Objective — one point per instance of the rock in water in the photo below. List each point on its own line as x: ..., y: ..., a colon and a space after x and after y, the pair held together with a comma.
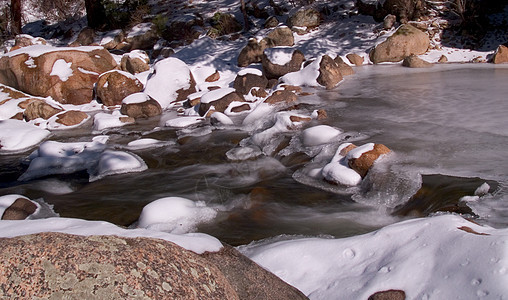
x: 329, y: 73
x: 501, y: 55
x: 362, y: 158
x: 114, y: 86
x: 413, y: 61
x: 407, y: 40
x: 20, y: 209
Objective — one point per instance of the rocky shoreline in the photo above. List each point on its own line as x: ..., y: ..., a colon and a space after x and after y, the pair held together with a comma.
x: 103, y: 80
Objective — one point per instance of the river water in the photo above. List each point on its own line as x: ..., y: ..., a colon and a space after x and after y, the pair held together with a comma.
x: 447, y: 127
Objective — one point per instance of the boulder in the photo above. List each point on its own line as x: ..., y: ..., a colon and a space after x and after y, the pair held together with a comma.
x: 271, y: 22
x: 112, y: 39
x: 362, y: 158
x: 86, y: 37
x: 25, y: 40
x: 355, y: 59
x: 249, y: 280
x: 281, y: 96
x: 307, y: 17
x: 244, y: 82
x: 142, y: 36
x: 345, y: 69
x: 223, y: 24
x: 20, y: 209
x: 140, y: 105
x: 67, y: 75
x: 501, y: 55
x: 253, y: 51
x: 407, y: 40
x: 134, y: 62
x: 67, y: 266
x: 389, y: 21
x: 443, y: 59
x: 40, y: 109
x: 113, y: 86
x: 170, y: 81
x: 329, y: 73
x: 71, y: 117
x: 388, y: 295
x: 219, y: 99
x: 413, y: 61
x: 280, y: 36
x: 279, y: 61
x: 214, y: 77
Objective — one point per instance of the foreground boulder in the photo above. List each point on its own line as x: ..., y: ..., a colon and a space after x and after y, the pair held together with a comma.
x: 406, y: 41
x: 108, y: 267
x: 65, y: 74
x: 114, y: 86
x: 134, y: 62
x: 329, y: 72
x: 501, y: 55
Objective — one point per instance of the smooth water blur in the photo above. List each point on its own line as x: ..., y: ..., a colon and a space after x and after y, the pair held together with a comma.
x: 448, y: 120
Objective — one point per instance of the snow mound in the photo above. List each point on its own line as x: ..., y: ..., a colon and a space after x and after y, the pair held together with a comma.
x: 104, y: 121
x: 182, y: 122
x: 175, y: 215
x: 305, y: 77
x: 319, y: 135
x: 66, y: 158
x: 196, y: 242
x: 279, y: 55
x: 17, y: 136
x: 447, y: 252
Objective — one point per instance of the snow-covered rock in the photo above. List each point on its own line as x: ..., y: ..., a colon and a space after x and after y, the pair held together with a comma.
x: 17, y: 136
x: 319, y: 135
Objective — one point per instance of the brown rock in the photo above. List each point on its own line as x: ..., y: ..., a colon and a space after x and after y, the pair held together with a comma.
x: 136, y: 61
x: 248, y: 279
x: 220, y: 104
x: 32, y: 74
x: 329, y: 73
x: 297, y: 119
x: 355, y: 59
x: 146, y: 38
x: 86, y: 37
x: 18, y: 116
x: 213, y: 78
x: 281, y: 96
x: 115, y: 38
x: 362, y: 164
x: 106, y: 267
x: 389, y: 21
x: 321, y: 114
x: 305, y: 18
x: 251, y: 53
x: 346, y: 150
x: 414, y: 61
x: 443, y: 59
x: 389, y: 295
x: 243, y: 84
x: 25, y: 40
x: 127, y: 119
x: 407, y: 40
x: 71, y: 117
x: 292, y: 88
x: 40, y: 109
x: 271, y: 22
x: 274, y: 71
x: 145, y: 109
x: 114, y: 86
x: 19, y: 209
x: 501, y: 55
x: 281, y: 36
x: 241, y: 108
x: 258, y: 92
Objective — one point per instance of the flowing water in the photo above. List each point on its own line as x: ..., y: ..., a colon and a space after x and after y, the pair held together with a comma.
x: 447, y: 127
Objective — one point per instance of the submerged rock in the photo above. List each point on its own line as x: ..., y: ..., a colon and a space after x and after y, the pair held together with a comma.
x: 406, y: 41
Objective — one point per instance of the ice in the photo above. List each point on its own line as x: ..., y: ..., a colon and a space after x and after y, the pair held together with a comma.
x: 175, y: 215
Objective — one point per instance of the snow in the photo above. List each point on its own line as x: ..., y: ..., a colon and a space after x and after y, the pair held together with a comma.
x: 66, y: 158
x: 136, y: 98
x: 305, y: 77
x: 168, y: 76
x: 319, y: 135
x: 103, y: 121
x: 62, y: 69
x: 279, y: 55
x: 359, y: 151
x: 340, y: 173
x: 430, y: 258
x: 175, y: 215
x: 38, y: 50
x: 253, y: 71
x: 181, y: 122
x: 196, y: 242
x: 221, y: 118
x: 216, y: 94
x: 138, y: 54
x: 139, y: 29
x: 17, y: 136
x: 85, y: 71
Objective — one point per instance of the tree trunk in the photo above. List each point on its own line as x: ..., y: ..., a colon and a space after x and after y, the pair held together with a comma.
x: 15, y: 17
x: 95, y: 14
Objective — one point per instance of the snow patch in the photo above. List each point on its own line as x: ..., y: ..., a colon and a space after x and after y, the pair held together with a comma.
x: 62, y: 69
